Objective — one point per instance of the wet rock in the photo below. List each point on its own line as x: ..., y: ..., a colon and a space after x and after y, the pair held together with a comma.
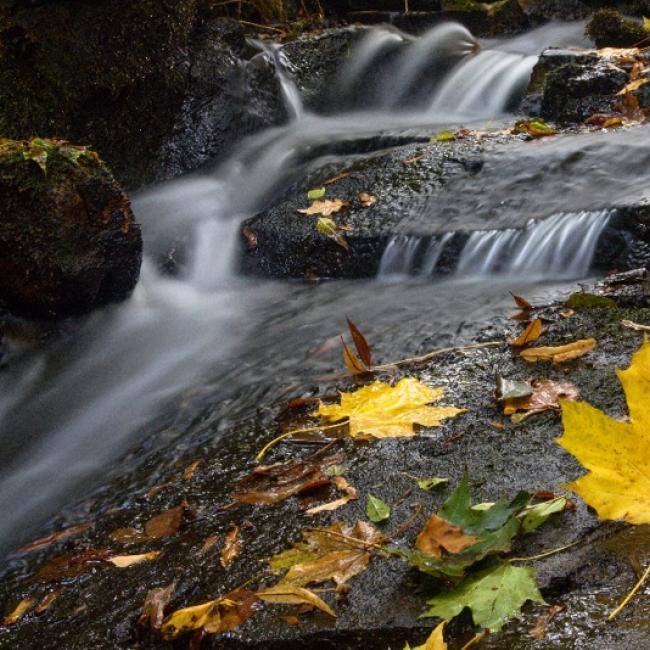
x: 539, y: 11
x: 68, y: 241
x: 487, y: 18
x: 609, y: 28
x: 156, y: 88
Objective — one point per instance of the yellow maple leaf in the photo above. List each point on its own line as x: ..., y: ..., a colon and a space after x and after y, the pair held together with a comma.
x: 382, y: 410
x: 435, y: 641
x: 616, y: 453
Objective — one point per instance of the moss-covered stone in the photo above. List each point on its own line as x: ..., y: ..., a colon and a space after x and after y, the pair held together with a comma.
x: 68, y: 241
x: 609, y: 28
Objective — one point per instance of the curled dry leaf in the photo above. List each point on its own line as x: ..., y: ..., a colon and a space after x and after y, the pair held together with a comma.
x: 352, y: 362
x: 367, y: 199
x: 123, y: 561
x: 153, y: 611
x: 231, y: 546
x: 530, y: 334
x: 19, y: 611
x: 360, y: 343
x: 286, y: 594
x: 349, y: 492
x: 325, y: 208
x: 60, y: 536
x: 71, y: 565
x: 251, y: 237
x: 220, y: 615
x: 439, y: 534
x: 561, y: 353
x: 522, y: 303
x: 382, y: 410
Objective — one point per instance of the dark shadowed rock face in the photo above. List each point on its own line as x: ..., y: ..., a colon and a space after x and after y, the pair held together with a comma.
x: 609, y: 28
x: 68, y: 241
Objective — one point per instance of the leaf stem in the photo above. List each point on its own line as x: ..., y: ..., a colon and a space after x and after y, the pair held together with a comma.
x: 475, y: 639
x: 629, y: 597
x: 435, y: 353
x: 287, y: 434
x: 540, y: 556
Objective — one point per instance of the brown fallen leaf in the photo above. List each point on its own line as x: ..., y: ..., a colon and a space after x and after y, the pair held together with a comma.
x: 290, y: 619
x: 635, y: 326
x: 541, y: 625
x: 567, y: 312
x: 561, y: 353
x: 522, y: 303
x: 439, y: 534
x: 208, y: 544
x: 47, y: 600
x: 411, y: 161
x: 325, y: 208
x: 336, y: 553
x: 20, y: 610
x: 153, y: 610
x: 124, y: 561
x: 215, y: 616
x: 270, y: 484
x: 367, y: 199
x: 546, y: 396
x: 532, y: 332
x: 343, y: 486
x: 166, y: 523
x: 286, y: 594
x: 231, y: 546
x: 188, y: 472
x: 251, y: 237
x: 60, y: 536
x: 633, y: 85
x: 71, y: 565
x: 360, y: 343
x: 128, y: 536
x: 338, y: 177
x: 352, y: 362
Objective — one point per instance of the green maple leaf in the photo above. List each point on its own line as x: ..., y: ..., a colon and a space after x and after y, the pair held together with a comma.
x: 494, y: 595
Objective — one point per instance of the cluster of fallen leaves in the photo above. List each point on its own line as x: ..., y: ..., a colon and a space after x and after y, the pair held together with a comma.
x: 325, y: 208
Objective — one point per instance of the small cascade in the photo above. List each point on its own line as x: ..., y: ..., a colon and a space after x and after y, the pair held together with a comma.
x: 399, y: 256
x: 290, y: 94
x: 559, y: 247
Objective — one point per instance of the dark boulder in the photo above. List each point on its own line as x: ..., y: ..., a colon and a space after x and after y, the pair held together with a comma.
x: 609, y: 28
x: 68, y: 241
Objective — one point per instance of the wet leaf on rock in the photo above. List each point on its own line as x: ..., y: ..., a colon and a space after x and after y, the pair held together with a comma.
x: 188, y: 472
x: 435, y: 641
x: 546, y: 396
x: 166, y: 523
x: 616, y: 453
x: 382, y: 410
x: 316, y: 193
x: 535, y: 128
x: 214, y: 616
x: 325, y: 208
x: 366, y: 199
x: 494, y: 596
x: 376, y: 509
x: 635, y: 326
x: 231, y: 545
x: 128, y: 535
x: 153, y: 610
x: 350, y: 494
x: 59, y: 536
x: 286, y: 594
x: 333, y: 231
x: 47, y: 601
x: 428, y: 484
x: 124, y: 561
x: 443, y: 136
x: 439, y: 534
x: 19, y: 611
x: 533, y: 516
x: 561, y: 353
x: 530, y: 334
x: 71, y: 565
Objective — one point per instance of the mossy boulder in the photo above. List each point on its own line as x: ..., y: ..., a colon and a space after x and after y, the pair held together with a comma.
x: 609, y: 28
x: 68, y: 240
x: 487, y: 18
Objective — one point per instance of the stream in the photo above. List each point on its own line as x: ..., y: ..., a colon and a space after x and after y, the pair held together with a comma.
x: 71, y: 410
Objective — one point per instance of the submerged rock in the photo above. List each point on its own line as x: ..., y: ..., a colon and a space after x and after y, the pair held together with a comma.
x: 68, y: 241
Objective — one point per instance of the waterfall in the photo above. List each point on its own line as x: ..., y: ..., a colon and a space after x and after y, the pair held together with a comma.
x: 561, y: 246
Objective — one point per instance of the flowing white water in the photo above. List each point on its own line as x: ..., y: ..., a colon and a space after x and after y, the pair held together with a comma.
x: 66, y: 413
x: 561, y: 246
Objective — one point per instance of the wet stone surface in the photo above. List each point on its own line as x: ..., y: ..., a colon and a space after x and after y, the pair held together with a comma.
x: 100, y: 609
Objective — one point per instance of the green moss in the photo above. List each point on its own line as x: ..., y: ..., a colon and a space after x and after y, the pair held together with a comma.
x: 490, y: 8
x: 608, y: 28
x: 582, y: 300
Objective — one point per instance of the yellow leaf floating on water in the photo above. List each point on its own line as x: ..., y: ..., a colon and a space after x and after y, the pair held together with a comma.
x: 616, y: 453
x: 383, y: 411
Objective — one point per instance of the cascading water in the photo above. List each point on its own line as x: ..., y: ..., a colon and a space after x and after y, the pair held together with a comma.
x: 69, y: 411
x: 561, y: 246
